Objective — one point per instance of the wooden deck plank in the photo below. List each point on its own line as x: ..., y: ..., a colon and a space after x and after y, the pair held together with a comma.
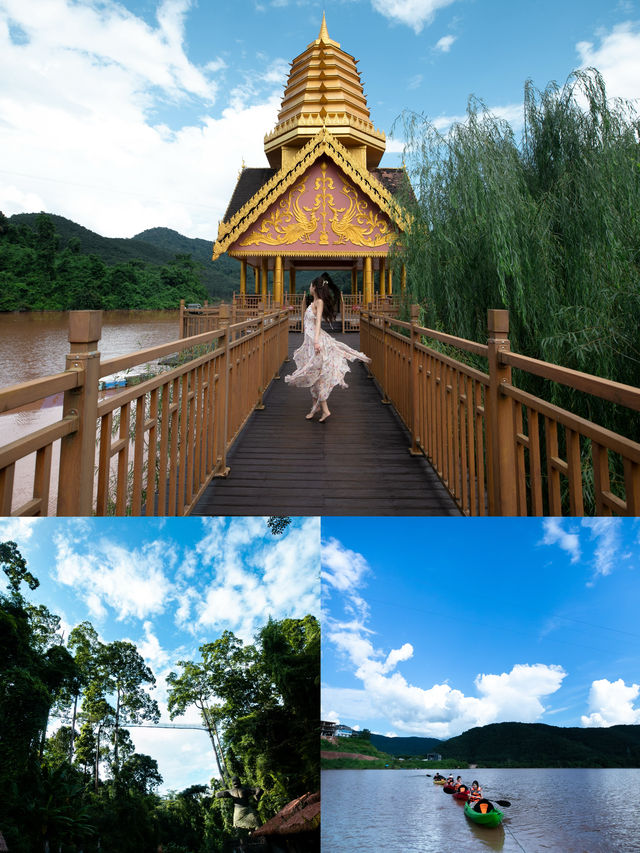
x: 358, y: 463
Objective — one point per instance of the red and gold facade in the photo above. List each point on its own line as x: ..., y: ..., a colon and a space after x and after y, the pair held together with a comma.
x: 323, y: 203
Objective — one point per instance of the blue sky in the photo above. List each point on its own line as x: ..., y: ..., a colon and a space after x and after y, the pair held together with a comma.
x: 129, y: 115
x: 168, y: 586
x: 431, y: 627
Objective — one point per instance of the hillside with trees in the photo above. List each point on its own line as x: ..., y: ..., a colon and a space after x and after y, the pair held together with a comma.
x: 516, y: 745
x: 70, y: 776
x: 539, y: 745
x: 48, y: 262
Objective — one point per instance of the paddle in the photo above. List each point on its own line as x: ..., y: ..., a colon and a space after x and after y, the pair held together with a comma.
x: 504, y: 803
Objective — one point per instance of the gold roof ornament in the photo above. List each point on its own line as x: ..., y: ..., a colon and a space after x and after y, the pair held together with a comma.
x: 324, y: 91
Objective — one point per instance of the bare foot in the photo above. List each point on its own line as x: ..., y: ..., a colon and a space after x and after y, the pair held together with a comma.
x: 324, y: 417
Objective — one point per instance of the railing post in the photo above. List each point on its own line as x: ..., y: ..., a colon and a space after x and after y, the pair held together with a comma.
x: 414, y: 450
x: 78, y: 450
x: 221, y: 468
x: 502, y: 467
x: 182, y: 334
x: 260, y: 403
x: 385, y: 366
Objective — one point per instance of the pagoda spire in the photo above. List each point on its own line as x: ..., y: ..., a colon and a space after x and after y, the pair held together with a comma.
x: 324, y: 32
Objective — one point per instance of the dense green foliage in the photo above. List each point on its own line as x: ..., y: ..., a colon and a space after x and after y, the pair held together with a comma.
x: 538, y: 745
x: 41, y: 271
x: 84, y: 787
x: 265, y: 698
x: 546, y: 225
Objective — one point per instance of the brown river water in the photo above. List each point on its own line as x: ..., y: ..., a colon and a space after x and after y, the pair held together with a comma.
x: 552, y: 811
x: 35, y: 344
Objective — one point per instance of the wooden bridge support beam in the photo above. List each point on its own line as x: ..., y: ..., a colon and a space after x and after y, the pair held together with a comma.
x: 502, y: 467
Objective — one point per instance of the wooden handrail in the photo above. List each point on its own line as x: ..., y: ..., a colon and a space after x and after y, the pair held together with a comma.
x: 157, y: 444
x: 15, y: 396
x: 606, y: 389
x: 499, y: 449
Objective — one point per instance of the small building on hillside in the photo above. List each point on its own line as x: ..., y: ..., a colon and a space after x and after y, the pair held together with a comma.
x: 434, y: 756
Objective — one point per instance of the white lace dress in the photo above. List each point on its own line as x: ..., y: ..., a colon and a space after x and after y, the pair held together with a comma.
x: 321, y: 371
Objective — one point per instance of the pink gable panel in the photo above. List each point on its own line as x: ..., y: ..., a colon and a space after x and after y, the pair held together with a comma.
x: 323, y: 212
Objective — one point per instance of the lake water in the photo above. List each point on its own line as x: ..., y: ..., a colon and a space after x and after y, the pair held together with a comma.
x: 402, y: 811
x: 33, y: 345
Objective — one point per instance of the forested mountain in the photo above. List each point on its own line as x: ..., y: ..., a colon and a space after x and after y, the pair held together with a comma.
x: 48, y: 262
x: 527, y: 745
x: 406, y: 745
x: 538, y: 745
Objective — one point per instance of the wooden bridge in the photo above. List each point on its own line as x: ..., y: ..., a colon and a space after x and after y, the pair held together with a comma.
x: 219, y: 433
x: 357, y: 463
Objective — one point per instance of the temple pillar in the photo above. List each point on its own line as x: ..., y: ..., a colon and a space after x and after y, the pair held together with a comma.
x: 354, y: 280
x: 292, y: 280
x: 243, y: 277
x: 403, y: 279
x: 278, y: 281
x: 264, y: 277
x: 390, y: 281
x: 383, y: 276
x: 367, y: 281
x: 256, y: 277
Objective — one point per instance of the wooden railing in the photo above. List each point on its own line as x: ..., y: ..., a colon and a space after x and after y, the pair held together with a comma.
x: 351, y: 305
x: 150, y: 449
x: 498, y: 449
x: 197, y: 320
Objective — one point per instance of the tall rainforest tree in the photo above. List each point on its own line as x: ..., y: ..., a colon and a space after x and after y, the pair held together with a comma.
x: 266, y: 698
x: 34, y: 671
x: 546, y: 224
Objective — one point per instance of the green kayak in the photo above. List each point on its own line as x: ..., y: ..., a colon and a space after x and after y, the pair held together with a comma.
x: 493, y: 817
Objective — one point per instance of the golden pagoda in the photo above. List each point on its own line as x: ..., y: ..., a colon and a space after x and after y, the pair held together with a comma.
x: 323, y: 201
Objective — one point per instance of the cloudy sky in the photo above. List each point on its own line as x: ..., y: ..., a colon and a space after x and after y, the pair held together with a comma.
x: 429, y: 630
x: 129, y: 115
x: 168, y: 586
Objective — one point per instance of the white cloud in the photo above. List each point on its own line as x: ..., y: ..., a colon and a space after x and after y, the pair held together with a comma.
x: 617, y: 57
x: 78, y: 119
x: 151, y: 650
x: 131, y: 582
x: 344, y: 570
x: 18, y: 530
x: 439, y: 710
x: 611, y: 704
x: 444, y: 44
x: 606, y: 531
x: 278, y: 578
x: 555, y: 534
x: 413, y: 13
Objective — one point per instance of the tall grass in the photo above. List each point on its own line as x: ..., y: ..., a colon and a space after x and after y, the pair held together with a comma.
x: 545, y: 222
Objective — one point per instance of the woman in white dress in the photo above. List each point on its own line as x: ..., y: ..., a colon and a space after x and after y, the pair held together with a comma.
x: 321, y: 361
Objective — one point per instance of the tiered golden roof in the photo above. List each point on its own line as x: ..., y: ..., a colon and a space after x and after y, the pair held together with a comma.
x: 324, y: 91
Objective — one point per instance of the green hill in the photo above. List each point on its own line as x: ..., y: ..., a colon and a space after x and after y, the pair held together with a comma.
x: 406, y: 745
x: 48, y: 263
x: 155, y: 246
x: 539, y: 745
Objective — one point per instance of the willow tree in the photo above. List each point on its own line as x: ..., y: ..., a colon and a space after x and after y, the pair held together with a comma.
x: 545, y: 223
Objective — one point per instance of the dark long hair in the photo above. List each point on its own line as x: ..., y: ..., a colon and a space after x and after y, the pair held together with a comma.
x: 328, y: 291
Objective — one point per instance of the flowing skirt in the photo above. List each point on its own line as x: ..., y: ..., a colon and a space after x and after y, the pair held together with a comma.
x: 322, y: 371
